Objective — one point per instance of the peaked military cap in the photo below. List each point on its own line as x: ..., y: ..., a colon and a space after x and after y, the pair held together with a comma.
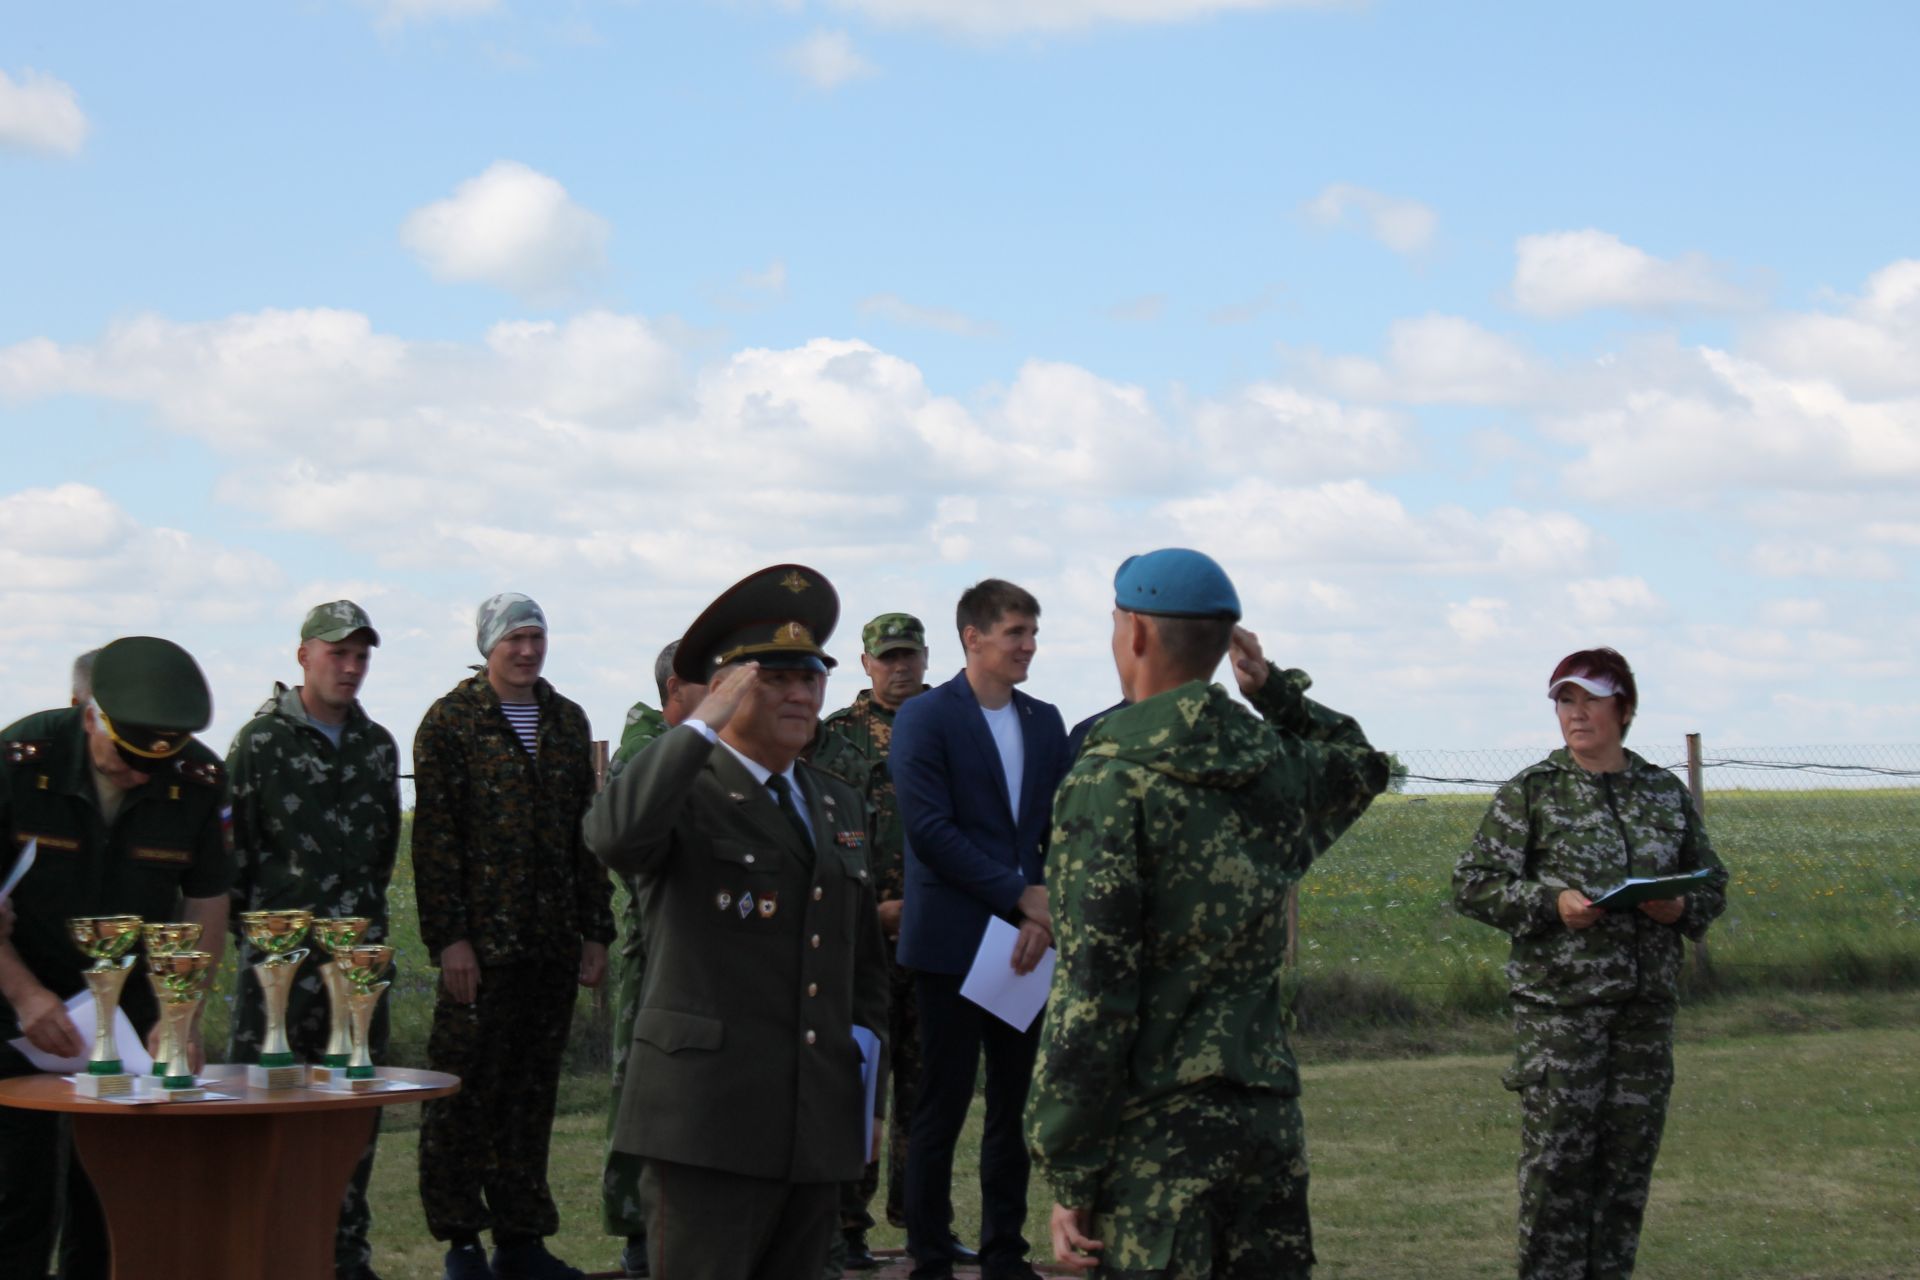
x: 892, y: 631
x: 779, y: 617
x: 152, y: 698
x: 1177, y: 583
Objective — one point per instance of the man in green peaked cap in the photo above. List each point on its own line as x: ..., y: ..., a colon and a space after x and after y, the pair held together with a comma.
x: 744, y: 1095
x: 127, y: 812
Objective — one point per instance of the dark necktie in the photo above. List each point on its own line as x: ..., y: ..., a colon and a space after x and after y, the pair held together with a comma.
x: 783, y: 792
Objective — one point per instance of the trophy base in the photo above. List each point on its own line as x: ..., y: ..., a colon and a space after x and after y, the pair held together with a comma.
x: 293, y: 1077
x: 324, y: 1077
x: 342, y: 1083
x: 119, y: 1085
x: 157, y: 1087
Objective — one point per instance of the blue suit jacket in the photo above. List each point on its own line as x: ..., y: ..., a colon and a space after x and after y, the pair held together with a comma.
x: 968, y: 855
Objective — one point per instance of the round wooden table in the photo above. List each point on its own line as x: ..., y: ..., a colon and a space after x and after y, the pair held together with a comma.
x: 225, y: 1190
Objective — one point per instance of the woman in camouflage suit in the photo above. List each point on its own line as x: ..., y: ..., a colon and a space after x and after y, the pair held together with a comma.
x: 1594, y: 991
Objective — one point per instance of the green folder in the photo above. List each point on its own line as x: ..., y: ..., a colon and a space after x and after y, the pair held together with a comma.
x: 1631, y: 893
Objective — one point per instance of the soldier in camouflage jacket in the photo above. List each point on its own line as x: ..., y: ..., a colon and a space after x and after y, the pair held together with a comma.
x: 1594, y: 992
x: 1165, y: 1112
x: 316, y: 826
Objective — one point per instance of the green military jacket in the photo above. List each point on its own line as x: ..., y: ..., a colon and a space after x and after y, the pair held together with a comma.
x: 763, y: 952
x: 1176, y: 836
x: 644, y: 724
x: 314, y: 826
x: 169, y: 841
x: 852, y: 745
x: 497, y: 856
x: 1555, y: 826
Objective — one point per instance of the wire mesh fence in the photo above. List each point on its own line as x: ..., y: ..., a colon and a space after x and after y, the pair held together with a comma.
x: 1822, y: 846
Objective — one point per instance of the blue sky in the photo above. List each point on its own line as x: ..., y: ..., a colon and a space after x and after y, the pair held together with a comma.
x: 1463, y: 335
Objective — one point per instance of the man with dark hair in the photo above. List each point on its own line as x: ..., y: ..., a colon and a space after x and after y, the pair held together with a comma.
x: 1165, y: 1112
x: 974, y: 763
x: 515, y: 912
x: 744, y: 1095
x: 620, y: 1178
x: 127, y: 808
x: 853, y: 744
x: 315, y: 789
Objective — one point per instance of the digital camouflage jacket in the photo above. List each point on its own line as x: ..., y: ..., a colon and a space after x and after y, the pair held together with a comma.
x: 1176, y: 836
x: 497, y: 854
x: 1555, y: 826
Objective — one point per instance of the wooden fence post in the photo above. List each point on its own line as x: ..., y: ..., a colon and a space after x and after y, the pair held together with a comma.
x: 1696, y: 784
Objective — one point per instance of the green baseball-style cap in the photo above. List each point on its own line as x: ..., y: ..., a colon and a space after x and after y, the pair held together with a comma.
x: 151, y: 697
x: 892, y: 631
x: 336, y: 621
x: 778, y: 617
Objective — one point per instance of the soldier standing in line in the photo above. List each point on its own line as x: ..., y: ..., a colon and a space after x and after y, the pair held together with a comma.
x: 127, y: 809
x: 620, y: 1178
x: 315, y: 788
x: 514, y: 911
x: 1165, y: 1110
x: 852, y: 745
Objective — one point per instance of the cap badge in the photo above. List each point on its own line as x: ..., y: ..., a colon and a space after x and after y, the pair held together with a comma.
x: 795, y: 581
x: 793, y: 633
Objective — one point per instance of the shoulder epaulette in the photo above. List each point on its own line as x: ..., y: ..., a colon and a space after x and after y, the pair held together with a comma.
x: 23, y: 752
x: 208, y: 773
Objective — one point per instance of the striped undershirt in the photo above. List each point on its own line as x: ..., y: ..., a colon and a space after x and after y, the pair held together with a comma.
x: 525, y: 719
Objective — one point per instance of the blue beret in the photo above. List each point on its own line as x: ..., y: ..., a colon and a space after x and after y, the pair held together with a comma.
x: 1176, y: 582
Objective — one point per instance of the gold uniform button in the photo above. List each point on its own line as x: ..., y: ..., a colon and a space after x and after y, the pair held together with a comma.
x: 813, y: 989
x: 814, y: 941
x: 818, y: 893
x: 810, y: 1037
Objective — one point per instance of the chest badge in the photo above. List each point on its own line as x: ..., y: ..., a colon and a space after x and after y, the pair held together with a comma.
x: 769, y: 903
x: 723, y: 899
x: 850, y: 839
x: 746, y: 905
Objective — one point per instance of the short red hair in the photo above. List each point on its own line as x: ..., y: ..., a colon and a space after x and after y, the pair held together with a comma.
x: 1602, y: 664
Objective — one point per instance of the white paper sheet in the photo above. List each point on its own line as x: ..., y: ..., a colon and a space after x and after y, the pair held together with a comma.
x: 869, y: 1079
x: 21, y: 865
x: 993, y: 985
x: 134, y: 1058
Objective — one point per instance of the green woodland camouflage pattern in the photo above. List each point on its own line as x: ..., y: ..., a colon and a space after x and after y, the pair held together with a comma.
x: 1555, y: 826
x: 314, y: 827
x: 852, y: 744
x: 620, y: 1176
x: 892, y: 631
x: 498, y: 859
x: 1176, y: 836
x: 1593, y: 1083
x: 1593, y: 1008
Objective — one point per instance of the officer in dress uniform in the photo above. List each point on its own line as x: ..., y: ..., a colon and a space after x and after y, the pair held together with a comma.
x: 744, y: 1094
x: 126, y: 810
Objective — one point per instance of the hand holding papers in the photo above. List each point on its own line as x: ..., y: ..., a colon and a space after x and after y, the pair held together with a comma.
x: 992, y: 984
x: 80, y: 1008
x: 1631, y: 893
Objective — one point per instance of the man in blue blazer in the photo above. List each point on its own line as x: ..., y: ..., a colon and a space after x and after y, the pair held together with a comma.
x: 975, y: 764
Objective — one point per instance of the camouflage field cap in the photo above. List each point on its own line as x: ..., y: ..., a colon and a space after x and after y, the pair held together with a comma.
x: 892, y: 631
x: 1175, y: 582
x: 779, y: 617
x: 336, y: 621
x: 499, y: 615
x: 151, y: 698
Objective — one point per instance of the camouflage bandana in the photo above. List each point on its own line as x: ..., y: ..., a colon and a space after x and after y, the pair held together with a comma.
x: 498, y: 615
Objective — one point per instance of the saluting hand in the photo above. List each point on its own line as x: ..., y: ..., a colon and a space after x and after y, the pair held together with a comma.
x: 1249, y: 663
x: 725, y: 694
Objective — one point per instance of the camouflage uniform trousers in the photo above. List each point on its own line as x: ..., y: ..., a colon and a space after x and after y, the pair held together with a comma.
x: 1208, y: 1183
x: 1593, y: 1083
x: 307, y: 1024
x: 490, y: 1139
x: 620, y: 1212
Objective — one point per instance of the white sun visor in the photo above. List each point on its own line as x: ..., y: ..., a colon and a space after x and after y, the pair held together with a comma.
x: 1598, y: 686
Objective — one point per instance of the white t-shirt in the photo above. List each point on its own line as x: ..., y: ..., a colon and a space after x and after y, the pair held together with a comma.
x: 1005, y: 727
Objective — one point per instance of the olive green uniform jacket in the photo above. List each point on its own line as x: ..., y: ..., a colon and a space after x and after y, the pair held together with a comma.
x: 168, y: 842
x: 762, y: 955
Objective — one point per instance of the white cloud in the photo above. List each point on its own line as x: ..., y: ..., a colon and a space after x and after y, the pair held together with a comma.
x: 825, y: 60
x: 891, y: 306
x: 1002, y: 17
x: 1436, y: 359
x: 1560, y: 273
x: 1402, y: 225
x: 1792, y: 612
x: 511, y: 227
x: 1598, y: 602
x: 1478, y: 620
x: 1872, y: 348
x: 1287, y: 434
x: 40, y: 112
x: 1818, y: 560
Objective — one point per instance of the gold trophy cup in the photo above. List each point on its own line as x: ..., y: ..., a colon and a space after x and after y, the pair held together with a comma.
x: 107, y: 940
x: 179, y: 974
x: 336, y: 936
x: 164, y: 938
x: 364, y: 967
x: 278, y: 934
